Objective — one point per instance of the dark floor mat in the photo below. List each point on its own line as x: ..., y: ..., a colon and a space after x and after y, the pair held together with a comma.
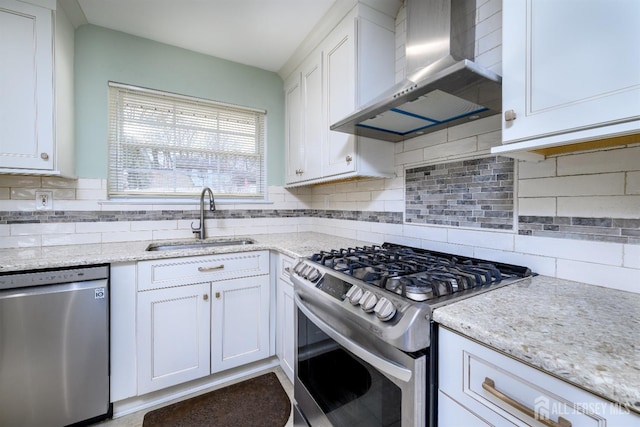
x: 257, y: 402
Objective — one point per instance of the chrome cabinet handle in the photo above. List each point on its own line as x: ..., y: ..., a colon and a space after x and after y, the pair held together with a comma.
x: 205, y: 297
x: 287, y: 270
x: 348, y: 159
x: 510, y: 115
x: 208, y: 269
x: 490, y: 386
x: 218, y: 295
x: 44, y: 156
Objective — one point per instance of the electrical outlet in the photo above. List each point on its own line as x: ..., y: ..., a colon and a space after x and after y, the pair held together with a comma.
x: 44, y: 200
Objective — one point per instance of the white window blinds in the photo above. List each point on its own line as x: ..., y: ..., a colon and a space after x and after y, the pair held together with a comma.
x: 162, y: 144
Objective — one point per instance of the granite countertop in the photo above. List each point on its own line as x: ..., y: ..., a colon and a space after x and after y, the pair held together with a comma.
x: 586, y: 335
x: 292, y: 244
x: 583, y: 334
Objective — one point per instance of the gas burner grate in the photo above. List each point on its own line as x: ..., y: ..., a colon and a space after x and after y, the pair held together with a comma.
x: 414, y: 273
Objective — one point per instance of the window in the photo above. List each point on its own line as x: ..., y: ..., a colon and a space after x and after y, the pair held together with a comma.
x: 162, y: 144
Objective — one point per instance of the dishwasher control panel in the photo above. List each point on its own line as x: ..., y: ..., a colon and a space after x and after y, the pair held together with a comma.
x: 52, y: 277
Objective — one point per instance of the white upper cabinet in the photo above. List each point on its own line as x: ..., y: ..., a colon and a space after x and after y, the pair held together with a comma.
x: 571, y: 73
x: 36, y: 131
x: 349, y: 67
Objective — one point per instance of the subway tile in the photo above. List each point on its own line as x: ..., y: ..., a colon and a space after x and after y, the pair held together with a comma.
x: 633, y: 182
x: 24, y: 194
x: 5, y: 193
x: 115, y: 227
x: 451, y: 149
x: 47, y: 228
x: 600, y: 206
x: 359, y: 196
x: 488, y: 25
x: 427, y: 140
x: 585, y: 185
x: 5, y: 230
x: 476, y: 127
x: 20, y: 241
x: 126, y: 236
x: 62, y: 193
x: 489, y: 140
x: 489, y: 41
x: 587, y: 251
x: 21, y: 181
x: 614, y: 277
x: 545, y: 206
x: 489, y: 59
x: 368, y: 236
x: 543, y: 169
x: 409, y: 157
x: 615, y: 160
x: 462, y: 250
x: 631, y: 256
x: 91, y: 194
x: 153, y: 225
x: 395, y: 194
x: 57, y: 182
x: 425, y: 232
x: 71, y: 239
x: 486, y: 239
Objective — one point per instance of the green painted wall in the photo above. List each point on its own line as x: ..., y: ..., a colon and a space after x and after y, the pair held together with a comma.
x: 103, y: 55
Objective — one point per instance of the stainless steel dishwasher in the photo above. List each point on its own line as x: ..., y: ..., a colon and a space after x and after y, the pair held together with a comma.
x: 54, y: 347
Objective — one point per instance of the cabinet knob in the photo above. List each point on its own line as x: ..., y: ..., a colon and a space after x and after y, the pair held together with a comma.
x: 510, y: 115
x: 287, y: 270
x: 205, y: 297
x: 44, y: 156
x: 218, y: 295
x: 348, y: 159
x: 299, y: 171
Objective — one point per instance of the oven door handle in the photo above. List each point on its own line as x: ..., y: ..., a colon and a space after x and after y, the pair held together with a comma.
x: 377, y: 362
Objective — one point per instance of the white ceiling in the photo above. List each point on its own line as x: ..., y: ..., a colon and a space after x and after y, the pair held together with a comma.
x: 261, y: 33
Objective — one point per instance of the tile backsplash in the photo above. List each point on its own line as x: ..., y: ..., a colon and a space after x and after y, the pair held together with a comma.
x: 474, y: 193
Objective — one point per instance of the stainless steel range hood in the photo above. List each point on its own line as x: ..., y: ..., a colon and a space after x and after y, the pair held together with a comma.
x: 444, y: 86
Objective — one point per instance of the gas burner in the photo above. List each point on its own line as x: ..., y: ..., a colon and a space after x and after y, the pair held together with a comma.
x: 416, y: 274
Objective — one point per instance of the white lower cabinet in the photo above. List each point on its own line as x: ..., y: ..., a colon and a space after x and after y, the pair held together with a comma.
x: 196, y: 316
x: 480, y: 386
x: 239, y: 322
x: 285, y: 316
x: 173, y: 336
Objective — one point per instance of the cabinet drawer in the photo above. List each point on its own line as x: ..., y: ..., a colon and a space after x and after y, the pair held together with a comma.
x: 185, y: 271
x: 504, y: 391
x: 285, y: 265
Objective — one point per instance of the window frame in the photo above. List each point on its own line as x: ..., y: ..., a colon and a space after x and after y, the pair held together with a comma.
x: 114, y: 142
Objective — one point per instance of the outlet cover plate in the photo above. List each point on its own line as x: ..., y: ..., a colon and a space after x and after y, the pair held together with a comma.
x: 44, y: 200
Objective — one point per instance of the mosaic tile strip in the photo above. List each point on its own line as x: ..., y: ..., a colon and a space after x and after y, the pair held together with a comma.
x: 616, y: 230
x: 43, y: 217
x: 470, y: 193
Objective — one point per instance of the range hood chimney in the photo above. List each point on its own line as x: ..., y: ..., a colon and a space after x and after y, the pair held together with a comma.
x: 443, y: 88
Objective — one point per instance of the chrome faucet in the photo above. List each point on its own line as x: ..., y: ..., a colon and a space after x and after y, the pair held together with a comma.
x: 199, y: 231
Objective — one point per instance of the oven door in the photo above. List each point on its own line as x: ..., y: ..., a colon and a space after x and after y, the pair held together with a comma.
x: 346, y: 378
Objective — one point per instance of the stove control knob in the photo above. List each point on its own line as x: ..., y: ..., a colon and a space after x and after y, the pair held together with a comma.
x: 385, y: 309
x: 368, y: 301
x: 354, y: 294
x: 313, y: 275
x: 299, y: 267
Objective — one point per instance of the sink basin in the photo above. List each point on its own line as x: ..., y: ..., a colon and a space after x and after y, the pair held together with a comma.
x: 197, y: 245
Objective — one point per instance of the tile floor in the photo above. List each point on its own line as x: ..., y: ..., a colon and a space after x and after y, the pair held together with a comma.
x: 135, y: 419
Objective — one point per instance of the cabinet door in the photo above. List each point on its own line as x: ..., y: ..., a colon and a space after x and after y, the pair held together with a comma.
x: 26, y: 85
x: 173, y: 336
x: 312, y: 120
x: 286, y: 327
x: 293, y: 129
x: 239, y: 322
x: 340, y: 77
x: 569, y: 68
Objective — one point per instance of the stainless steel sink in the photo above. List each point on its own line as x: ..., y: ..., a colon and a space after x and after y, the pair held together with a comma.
x: 197, y: 245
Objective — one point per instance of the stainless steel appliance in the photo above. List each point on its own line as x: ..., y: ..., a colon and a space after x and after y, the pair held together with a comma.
x: 54, y: 347
x: 365, y: 343
x: 443, y: 87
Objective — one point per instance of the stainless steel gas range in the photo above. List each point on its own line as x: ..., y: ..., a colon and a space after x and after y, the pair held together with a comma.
x: 365, y: 339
